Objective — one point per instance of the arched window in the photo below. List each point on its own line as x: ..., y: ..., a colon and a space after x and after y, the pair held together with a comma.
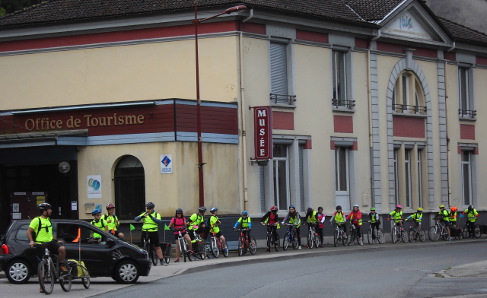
x: 408, y: 96
x: 129, y: 187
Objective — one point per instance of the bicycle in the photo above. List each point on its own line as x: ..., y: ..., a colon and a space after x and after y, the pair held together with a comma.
x: 246, y: 243
x: 313, y: 240
x: 216, y: 246
x: 476, y: 231
x: 149, y: 248
x: 437, y: 231
x: 353, y: 235
x: 271, y: 240
x: 48, y: 273
x: 415, y: 233
x: 183, y: 247
x: 199, y: 247
x: 290, y: 237
x: 379, y: 235
x: 398, y: 233
x: 339, y: 235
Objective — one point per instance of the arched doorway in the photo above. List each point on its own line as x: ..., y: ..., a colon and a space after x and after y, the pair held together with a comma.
x: 129, y: 187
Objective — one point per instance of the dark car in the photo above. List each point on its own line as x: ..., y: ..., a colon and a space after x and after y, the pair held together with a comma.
x: 111, y: 257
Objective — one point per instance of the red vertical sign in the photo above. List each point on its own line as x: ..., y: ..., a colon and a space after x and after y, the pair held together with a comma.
x: 263, y: 133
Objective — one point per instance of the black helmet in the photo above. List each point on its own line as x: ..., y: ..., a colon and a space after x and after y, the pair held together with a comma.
x: 470, y: 208
x: 44, y: 206
x: 309, y: 210
x: 212, y: 210
x: 150, y: 205
x: 202, y: 209
x: 339, y: 207
x: 179, y: 211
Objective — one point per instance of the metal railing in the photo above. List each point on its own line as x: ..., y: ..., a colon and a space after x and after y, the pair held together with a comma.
x: 283, y: 99
x: 348, y: 104
x: 467, y: 114
x: 409, y: 109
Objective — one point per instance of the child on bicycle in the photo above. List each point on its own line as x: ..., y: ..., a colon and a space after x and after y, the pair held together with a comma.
x: 271, y: 219
x: 311, y: 218
x: 245, y: 223
x: 100, y: 223
x: 339, y: 219
x: 215, y: 229
x: 355, y: 218
x: 444, y: 217
x: 294, y: 219
x: 397, y: 216
x: 320, y: 225
x: 374, y: 219
x: 416, y: 217
x: 178, y: 222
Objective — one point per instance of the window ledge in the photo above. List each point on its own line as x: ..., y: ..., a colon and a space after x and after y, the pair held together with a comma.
x: 467, y: 118
x: 412, y: 115
x: 343, y: 109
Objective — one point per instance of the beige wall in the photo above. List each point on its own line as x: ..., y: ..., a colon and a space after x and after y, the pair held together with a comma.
x: 167, y: 191
x: 120, y: 73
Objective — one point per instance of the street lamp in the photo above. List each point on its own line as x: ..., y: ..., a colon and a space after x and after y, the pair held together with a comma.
x: 196, y: 22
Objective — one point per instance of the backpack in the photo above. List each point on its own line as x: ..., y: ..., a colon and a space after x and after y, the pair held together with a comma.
x: 39, y: 227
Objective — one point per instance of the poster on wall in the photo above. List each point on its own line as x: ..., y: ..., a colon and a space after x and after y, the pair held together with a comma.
x: 166, y: 164
x: 94, y: 186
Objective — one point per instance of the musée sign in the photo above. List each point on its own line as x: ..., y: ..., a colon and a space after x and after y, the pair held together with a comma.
x: 263, y: 133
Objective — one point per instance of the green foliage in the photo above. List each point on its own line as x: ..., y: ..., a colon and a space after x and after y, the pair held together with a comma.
x: 9, y: 6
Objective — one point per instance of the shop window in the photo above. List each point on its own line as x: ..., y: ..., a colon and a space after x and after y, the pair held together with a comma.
x: 408, y: 95
x: 129, y: 187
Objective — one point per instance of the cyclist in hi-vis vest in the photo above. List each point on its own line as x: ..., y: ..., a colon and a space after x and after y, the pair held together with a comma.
x: 397, y: 216
x: 271, y: 219
x: 112, y: 221
x: 293, y: 218
x: 444, y: 217
x: 245, y: 223
x: 40, y: 231
x: 471, y: 214
x: 197, y: 224
x: 100, y: 223
x: 374, y: 221
x: 215, y: 227
x: 339, y: 219
x: 417, y: 218
x: 152, y: 220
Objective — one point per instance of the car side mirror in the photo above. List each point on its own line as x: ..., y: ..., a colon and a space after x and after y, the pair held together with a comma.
x: 110, y: 242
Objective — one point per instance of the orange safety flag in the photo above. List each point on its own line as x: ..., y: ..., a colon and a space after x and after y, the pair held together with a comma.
x: 79, y: 236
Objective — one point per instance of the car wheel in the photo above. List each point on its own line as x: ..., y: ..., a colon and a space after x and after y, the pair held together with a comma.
x: 18, y: 271
x: 126, y: 272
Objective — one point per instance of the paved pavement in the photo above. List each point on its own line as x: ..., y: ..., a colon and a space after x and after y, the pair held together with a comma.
x: 102, y: 285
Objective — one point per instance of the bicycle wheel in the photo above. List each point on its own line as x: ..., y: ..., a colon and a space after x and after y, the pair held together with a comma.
x: 404, y: 236
x: 45, y: 272
x: 225, y: 249
x: 369, y: 236
x: 167, y: 254
x: 336, y: 236
x: 422, y: 236
x: 316, y: 240
x: 353, y: 235
x: 252, y: 246
x: 153, y: 255
x: 85, y: 280
x: 240, y: 246
x: 285, y: 242
x: 380, y: 236
x: 269, y: 242
x: 214, y: 247
x: 465, y: 232
x: 412, y: 234
x: 65, y: 280
x: 310, y: 239
x: 201, y: 250
x: 433, y: 233
x: 276, y: 243
x: 295, y: 240
x: 476, y: 232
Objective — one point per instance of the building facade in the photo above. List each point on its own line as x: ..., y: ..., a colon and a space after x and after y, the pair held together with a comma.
x: 374, y: 105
